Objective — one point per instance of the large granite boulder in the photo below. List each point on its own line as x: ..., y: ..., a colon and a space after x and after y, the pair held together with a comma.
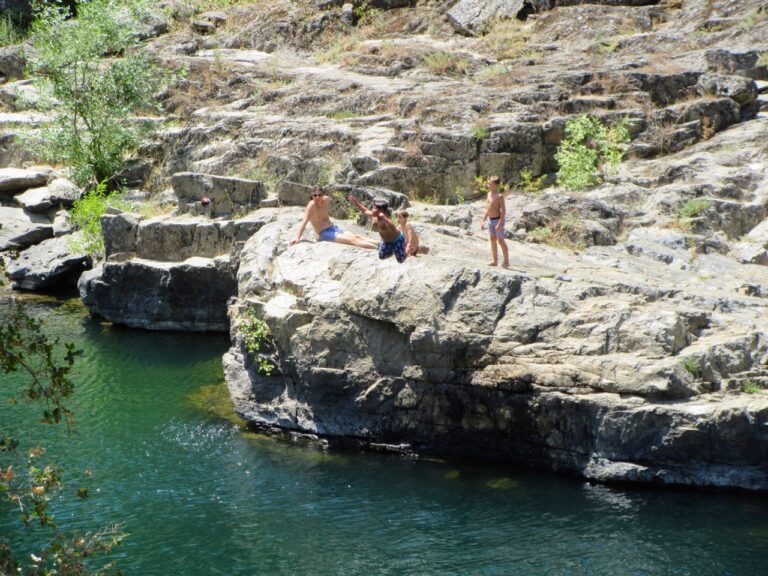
x: 191, y: 295
x: 225, y: 195
x: 13, y: 180
x: 617, y: 371
x: 48, y: 265
x: 12, y: 61
x: 19, y: 228
x: 474, y: 16
x: 731, y: 62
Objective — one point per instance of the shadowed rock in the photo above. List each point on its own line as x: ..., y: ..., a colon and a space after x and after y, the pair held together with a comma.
x: 48, y: 264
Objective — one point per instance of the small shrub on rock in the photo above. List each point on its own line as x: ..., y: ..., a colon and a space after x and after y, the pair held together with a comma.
x: 446, y: 63
x: 529, y: 184
x: 693, y: 208
x: 86, y: 216
x: 589, y: 150
x: 257, y: 337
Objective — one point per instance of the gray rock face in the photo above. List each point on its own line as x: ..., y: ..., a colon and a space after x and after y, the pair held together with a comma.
x: 226, y: 195
x: 190, y: 295
x: 169, y: 273
x: 12, y: 61
x: 571, y: 373
x: 46, y: 265
x: 19, y: 228
x: 473, y: 16
x: 35, y: 199
x: 731, y: 62
x: 14, y: 179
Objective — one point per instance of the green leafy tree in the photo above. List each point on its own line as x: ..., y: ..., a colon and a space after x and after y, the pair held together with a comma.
x: 589, y: 150
x: 28, y: 482
x: 95, y: 79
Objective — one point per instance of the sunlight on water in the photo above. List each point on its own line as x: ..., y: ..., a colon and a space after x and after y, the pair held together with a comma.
x: 200, y: 494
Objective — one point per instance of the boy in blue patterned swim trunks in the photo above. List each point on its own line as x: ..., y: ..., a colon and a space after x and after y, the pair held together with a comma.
x: 392, y: 240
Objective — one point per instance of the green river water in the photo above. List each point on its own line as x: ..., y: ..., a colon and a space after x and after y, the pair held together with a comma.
x: 199, y: 496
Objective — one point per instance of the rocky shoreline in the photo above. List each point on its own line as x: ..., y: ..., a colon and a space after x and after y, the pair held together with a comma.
x: 628, y: 342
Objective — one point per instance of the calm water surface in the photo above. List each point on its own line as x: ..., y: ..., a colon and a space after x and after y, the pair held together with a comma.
x: 199, y: 496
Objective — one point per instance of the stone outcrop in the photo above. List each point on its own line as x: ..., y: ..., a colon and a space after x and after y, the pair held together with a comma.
x: 563, y: 362
x: 190, y: 295
x: 473, y: 16
x: 174, y: 272
x: 49, y: 264
x: 225, y: 195
x: 19, y: 228
x: 623, y: 342
x: 13, y: 180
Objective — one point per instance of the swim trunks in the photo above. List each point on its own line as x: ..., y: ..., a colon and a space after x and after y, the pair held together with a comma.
x: 496, y: 227
x: 396, y: 247
x: 330, y: 233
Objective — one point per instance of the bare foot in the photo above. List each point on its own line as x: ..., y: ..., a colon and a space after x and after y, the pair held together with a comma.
x: 505, y: 265
x: 493, y: 263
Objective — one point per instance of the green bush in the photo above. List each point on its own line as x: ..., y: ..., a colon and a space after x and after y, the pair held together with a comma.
x: 257, y: 336
x: 93, y: 126
x: 529, y: 184
x: 589, y: 150
x: 86, y: 215
x: 693, y: 208
x: 691, y: 366
x: 480, y: 132
x: 750, y: 387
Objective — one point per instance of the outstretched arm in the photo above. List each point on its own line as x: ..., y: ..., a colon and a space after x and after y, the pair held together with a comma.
x: 359, y: 206
x: 301, y: 227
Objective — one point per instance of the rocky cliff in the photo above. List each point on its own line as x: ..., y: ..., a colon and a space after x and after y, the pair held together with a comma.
x: 628, y: 340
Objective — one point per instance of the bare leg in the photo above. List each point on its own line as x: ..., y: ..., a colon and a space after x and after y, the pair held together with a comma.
x: 357, y: 240
x: 504, y: 252
x: 494, y: 252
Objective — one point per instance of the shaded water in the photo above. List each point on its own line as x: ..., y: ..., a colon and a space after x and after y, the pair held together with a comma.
x: 199, y: 496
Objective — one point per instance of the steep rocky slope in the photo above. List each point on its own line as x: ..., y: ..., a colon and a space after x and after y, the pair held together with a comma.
x: 623, y: 340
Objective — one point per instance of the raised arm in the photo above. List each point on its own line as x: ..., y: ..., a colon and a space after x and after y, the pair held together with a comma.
x: 359, y: 206
x: 301, y: 227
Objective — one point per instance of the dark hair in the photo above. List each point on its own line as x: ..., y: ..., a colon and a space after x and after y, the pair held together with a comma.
x: 318, y: 190
x: 382, y: 205
x: 403, y: 213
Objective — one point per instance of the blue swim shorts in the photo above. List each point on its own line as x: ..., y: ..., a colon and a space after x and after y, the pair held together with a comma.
x: 396, y: 247
x: 330, y: 233
x: 496, y: 227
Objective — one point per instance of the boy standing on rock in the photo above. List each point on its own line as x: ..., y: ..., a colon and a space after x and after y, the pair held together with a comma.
x: 392, y: 240
x: 495, y: 212
x: 318, y: 213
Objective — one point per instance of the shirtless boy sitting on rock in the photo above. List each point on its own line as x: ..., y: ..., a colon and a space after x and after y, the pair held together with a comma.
x: 318, y: 213
x: 392, y: 240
